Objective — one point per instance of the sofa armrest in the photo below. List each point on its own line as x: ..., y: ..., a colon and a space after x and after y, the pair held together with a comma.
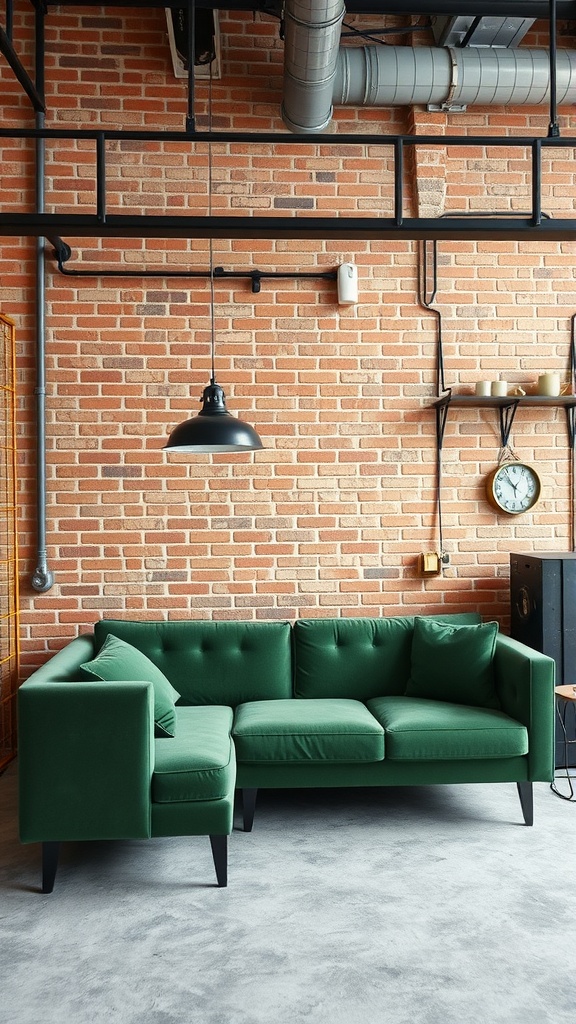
x: 63, y: 666
x: 85, y: 757
x: 525, y: 684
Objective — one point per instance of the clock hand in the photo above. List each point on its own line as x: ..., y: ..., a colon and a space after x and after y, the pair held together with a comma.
x: 525, y: 487
x: 510, y: 480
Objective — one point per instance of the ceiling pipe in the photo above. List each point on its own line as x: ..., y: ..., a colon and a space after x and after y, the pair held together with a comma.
x: 318, y: 72
x: 458, y: 8
x: 461, y: 8
x: 553, y: 126
x: 311, y: 40
x: 450, y: 77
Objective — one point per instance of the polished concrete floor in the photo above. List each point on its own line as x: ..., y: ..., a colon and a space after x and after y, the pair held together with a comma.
x: 406, y: 906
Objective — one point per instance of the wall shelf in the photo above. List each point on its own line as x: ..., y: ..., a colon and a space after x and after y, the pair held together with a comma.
x: 507, y: 407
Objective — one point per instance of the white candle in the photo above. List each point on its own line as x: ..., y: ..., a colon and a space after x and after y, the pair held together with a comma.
x: 549, y: 384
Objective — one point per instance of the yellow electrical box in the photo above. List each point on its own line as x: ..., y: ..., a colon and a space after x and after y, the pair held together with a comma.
x: 429, y: 563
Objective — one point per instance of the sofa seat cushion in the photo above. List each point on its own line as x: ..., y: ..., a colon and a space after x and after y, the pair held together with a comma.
x: 276, y: 731
x: 431, y: 730
x: 199, y: 763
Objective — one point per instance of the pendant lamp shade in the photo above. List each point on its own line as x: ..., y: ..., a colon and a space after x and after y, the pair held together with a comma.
x: 214, y: 429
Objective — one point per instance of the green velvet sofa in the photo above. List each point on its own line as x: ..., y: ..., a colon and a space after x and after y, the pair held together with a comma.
x: 146, y: 729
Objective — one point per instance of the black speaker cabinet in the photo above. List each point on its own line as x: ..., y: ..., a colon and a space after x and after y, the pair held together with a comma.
x: 543, y: 616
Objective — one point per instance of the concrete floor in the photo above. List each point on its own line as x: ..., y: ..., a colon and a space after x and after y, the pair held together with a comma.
x: 404, y: 906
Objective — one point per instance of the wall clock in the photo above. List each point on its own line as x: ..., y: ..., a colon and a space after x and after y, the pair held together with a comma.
x: 513, y: 487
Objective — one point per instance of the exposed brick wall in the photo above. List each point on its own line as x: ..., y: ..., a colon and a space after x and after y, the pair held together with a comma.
x: 330, y: 517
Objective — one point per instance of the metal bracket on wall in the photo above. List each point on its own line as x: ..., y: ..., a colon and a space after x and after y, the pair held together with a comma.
x: 570, y: 415
x: 507, y: 408
x: 506, y: 414
x: 570, y: 408
x: 441, y: 417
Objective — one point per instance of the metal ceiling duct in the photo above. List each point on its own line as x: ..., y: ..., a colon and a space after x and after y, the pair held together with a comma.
x: 318, y: 72
x: 311, y: 42
x: 445, y: 77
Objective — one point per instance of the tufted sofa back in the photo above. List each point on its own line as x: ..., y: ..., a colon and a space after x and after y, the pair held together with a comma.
x: 212, y: 662
x: 235, y: 662
x: 358, y: 658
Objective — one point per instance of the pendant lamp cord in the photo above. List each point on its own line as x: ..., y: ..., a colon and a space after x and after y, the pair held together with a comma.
x: 210, y: 241
x: 571, y: 413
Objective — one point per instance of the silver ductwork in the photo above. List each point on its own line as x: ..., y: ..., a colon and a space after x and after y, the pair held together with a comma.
x: 447, y: 77
x: 318, y: 72
x: 311, y: 42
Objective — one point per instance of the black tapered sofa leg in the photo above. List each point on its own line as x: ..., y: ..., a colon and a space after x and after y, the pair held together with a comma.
x: 526, y: 795
x: 248, y: 808
x: 50, y: 853
x: 219, y: 846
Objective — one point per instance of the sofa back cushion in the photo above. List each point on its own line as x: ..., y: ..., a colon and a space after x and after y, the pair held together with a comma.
x: 358, y: 658
x: 454, y: 663
x: 212, y: 662
x: 117, y: 660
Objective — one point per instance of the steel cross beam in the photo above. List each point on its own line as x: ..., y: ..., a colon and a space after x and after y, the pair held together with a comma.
x: 508, y: 226
x: 486, y: 8
x: 71, y: 225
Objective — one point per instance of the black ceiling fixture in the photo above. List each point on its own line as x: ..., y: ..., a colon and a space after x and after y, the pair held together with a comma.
x: 213, y: 429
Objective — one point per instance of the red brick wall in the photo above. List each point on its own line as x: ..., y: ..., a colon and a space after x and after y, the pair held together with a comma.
x: 329, y: 519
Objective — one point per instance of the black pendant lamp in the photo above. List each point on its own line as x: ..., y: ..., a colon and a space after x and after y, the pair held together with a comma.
x: 214, y: 429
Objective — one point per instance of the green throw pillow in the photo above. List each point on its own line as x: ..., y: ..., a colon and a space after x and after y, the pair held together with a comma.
x: 118, y: 660
x: 453, y: 663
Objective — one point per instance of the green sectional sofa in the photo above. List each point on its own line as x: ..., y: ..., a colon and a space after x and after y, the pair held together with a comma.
x: 147, y: 729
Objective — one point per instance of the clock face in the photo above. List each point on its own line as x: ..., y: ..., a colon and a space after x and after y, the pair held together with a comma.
x: 513, y: 487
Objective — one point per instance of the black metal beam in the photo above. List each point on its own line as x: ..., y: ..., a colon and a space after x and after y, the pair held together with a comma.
x: 482, y: 8
x: 471, y: 8
x: 524, y: 226
x: 288, y: 138
x: 209, y: 5
x: 22, y: 75
x: 297, y: 227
